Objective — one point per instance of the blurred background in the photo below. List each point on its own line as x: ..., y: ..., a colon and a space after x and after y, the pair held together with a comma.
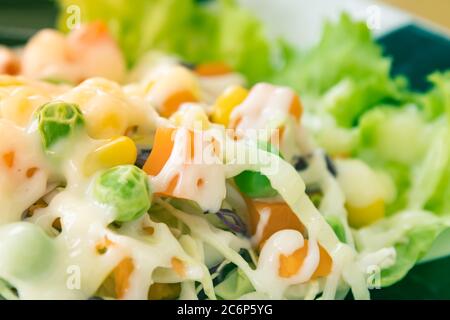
x: 21, y: 18
x: 437, y: 11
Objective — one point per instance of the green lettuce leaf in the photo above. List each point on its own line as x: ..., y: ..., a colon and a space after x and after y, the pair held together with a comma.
x: 410, y: 143
x: 437, y: 104
x: 409, y: 252
x: 348, y: 68
x: 411, y: 233
x: 194, y: 30
x: 437, y: 101
x: 235, y: 285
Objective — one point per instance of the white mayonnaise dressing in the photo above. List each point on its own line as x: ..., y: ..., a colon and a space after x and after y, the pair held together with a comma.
x: 165, y: 80
x: 108, y: 111
x: 201, y: 177
x: 20, y: 104
x: 285, y: 242
x: 264, y: 217
x: 266, y: 107
x: 333, y: 200
x: 20, y: 184
x: 78, y: 269
x: 291, y: 187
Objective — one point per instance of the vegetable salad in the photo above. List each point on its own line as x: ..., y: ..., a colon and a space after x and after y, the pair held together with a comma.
x: 138, y: 162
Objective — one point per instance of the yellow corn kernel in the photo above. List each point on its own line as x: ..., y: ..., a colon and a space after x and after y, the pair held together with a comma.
x: 359, y: 217
x: 226, y: 102
x: 119, y: 151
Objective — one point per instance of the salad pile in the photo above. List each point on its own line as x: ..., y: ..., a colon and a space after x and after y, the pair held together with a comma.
x: 173, y: 150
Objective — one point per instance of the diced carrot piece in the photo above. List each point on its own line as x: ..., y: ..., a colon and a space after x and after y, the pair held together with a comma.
x: 213, y: 69
x: 170, y: 188
x: 92, y: 32
x: 174, y: 101
x: 281, y: 218
x: 178, y: 267
x: 296, y: 108
x: 122, y: 275
x: 291, y: 264
x: 9, y: 62
x: 31, y: 171
x: 162, y: 148
x: 98, y: 27
x: 8, y: 158
x: 325, y: 264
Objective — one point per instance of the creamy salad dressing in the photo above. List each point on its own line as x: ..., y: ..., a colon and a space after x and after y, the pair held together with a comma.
x: 84, y: 225
x: 167, y: 79
x: 20, y: 97
x: 201, y: 176
x: 285, y: 242
x: 264, y: 217
x: 23, y: 171
x: 109, y: 112
x: 79, y: 268
x: 342, y: 255
x: 266, y: 107
x: 271, y: 283
x: 333, y: 198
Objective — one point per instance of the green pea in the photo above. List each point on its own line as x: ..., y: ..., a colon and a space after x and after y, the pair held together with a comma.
x: 58, y: 120
x: 254, y: 184
x: 125, y: 188
x: 337, y: 227
x: 25, y: 250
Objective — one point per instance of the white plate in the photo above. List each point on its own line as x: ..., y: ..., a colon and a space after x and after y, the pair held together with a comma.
x: 301, y: 21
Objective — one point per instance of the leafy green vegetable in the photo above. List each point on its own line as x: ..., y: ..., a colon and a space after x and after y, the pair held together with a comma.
x: 437, y: 101
x: 348, y: 67
x: 337, y: 227
x: 254, y: 184
x: 58, y: 120
x: 437, y: 165
x: 125, y: 188
x: 385, y: 136
x: 234, y: 286
x: 409, y: 252
x: 197, y: 32
x: 411, y: 233
x: 387, y: 132
x: 410, y: 143
x: 7, y: 291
